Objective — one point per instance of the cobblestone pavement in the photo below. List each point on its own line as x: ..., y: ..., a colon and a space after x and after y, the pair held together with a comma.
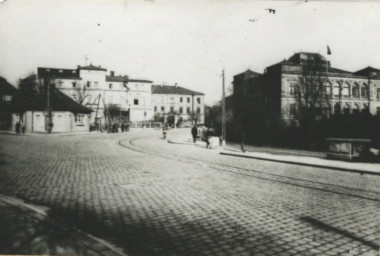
x: 164, y: 203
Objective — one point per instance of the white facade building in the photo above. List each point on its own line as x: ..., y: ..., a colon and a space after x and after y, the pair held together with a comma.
x: 92, y: 87
x: 178, y: 101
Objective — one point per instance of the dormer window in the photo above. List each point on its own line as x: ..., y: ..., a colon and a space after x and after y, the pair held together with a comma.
x: 88, y: 84
x: 110, y: 86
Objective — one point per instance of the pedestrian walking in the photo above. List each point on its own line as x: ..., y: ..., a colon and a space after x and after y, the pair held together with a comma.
x: 17, y: 127
x: 209, y: 133
x: 194, y: 132
x: 22, y: 128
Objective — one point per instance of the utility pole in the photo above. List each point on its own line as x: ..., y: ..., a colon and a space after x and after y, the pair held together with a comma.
x: 192, y: 109
x: 48, y: 108
x: 223, y: 114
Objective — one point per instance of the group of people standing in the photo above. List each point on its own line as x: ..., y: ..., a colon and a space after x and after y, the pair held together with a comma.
x: 205, y: 136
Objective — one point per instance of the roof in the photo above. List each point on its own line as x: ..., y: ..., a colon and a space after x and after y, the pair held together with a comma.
x: 58, y: 73
x: 172, y: 89
x: 58, y: 102
x: 340, y: 71
x: 139, y: 81
x: 5, y: 87
x: 92, y: 67
x: 367, y: 71
x: 249, y: 73
x: 306, y: 56
x: 116, y: 78
x: 284, y: 62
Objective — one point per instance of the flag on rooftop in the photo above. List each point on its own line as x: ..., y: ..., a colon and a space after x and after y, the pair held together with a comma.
x: 328, y: 50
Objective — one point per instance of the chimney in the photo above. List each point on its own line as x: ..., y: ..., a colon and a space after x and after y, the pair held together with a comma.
x: 78, y: 66
x: 112, y: 73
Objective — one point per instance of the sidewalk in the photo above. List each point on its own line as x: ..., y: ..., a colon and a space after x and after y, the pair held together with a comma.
x: 27, y: 229
x: 298, y: 157
x: 48, y: 134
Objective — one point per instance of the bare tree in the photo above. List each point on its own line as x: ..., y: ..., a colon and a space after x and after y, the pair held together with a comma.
x: 310, y: 93
x: 81, y: 94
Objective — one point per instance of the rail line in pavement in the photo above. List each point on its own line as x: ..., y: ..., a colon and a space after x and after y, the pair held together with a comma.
x: 304, y: 183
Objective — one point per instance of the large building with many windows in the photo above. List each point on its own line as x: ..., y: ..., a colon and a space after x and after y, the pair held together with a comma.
x: 346, y: 92
x: 185, y: 105
x: 93, y: 87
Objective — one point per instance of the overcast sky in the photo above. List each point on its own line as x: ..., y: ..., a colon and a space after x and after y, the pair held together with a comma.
x: 188, y: 42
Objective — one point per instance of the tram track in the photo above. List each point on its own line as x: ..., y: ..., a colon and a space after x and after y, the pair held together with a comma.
x: 250, y: 172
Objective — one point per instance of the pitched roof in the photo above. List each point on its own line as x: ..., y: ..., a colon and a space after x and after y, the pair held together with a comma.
x: 5, y: 87
x: 284, y: 62
x: 58, y: 102
x: 92, y: 67
x: 58, y: 73
x: 337, y: 70
x: 249, y: 73
x: 170, y: 89
x: 374, y: 72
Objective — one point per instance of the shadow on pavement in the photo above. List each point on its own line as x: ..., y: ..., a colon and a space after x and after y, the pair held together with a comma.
x: 23, y: 232
x: 172, y: 234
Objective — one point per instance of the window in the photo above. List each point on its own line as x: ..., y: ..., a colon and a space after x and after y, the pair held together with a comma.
x: 7, y: 98
x: 181, y: 110
x: 188, y: 110
x: 337, y: 109
x: 79, y: 119
x: 378, y: 111
x: 346, y: 109
x: 199, y: 100
x: 136, y: 86
x: 188, y: 99
x: 292, y: 88
x: 171, y: 99
x: 136, y: 101
x: 327, y: 88
x: 336, y: 89
x: 89, y: 98
x: 96, y: 85
x: 378, y: 93
x: 155, y: 108
x: 74, y: 84
x: 88, y: 84
x: 198, y: 110
x: 110, y: 86
x: 355, y: 109
x: 355, y: 90
x: 162, y: 109
x: 364, y: 91
x: 346, y: 90
x: 181, y: 99
x: 172, y: 109
x: 292, y: 110
x: 60, y: 83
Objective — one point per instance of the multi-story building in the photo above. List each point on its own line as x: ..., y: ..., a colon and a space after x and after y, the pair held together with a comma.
x: 92, y: 87
x: 7, y: 92
x: 184, y: 104
x: 346, y: 92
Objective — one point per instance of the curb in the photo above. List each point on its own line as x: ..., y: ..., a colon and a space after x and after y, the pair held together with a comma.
x: 305, y: 164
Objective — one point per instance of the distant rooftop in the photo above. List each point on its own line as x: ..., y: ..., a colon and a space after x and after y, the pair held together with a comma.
x: 58, y: 73
x: 92, y: 67
x: 173, y: 89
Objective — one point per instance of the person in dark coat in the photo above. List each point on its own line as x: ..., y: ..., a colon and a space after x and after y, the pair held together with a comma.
x: 17, y: 127
x: 194, y: 132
